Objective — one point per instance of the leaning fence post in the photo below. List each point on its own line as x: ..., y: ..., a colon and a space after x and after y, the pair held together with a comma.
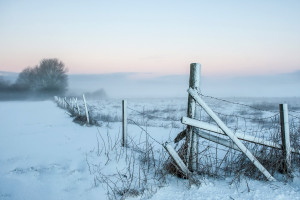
x: 229, y: 133
x: 285, y: 136
x: 191, y: 138
x: 177, y: 159
x: 124, y: 123
x: 86, y: 110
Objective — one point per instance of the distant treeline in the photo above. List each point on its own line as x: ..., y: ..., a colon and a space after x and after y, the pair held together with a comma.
x: 45, y: 80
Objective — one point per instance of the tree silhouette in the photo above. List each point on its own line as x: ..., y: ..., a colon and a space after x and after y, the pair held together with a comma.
x: 47, y: 77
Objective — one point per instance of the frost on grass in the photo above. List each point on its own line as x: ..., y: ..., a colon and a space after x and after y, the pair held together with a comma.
x: 135, y: 170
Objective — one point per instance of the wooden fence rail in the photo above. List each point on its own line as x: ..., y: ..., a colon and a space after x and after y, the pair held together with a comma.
x: 230, y: 134
x: 241, y: 136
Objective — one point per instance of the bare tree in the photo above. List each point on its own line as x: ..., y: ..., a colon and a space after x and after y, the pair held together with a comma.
x: 26, y: 78
x: 47, y: 77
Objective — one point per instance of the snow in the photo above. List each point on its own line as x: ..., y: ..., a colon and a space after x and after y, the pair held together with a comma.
x: 220, y: 189
x: 44, y: 155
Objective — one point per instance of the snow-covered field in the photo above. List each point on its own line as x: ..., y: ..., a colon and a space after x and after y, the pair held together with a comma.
x: 44, y: 155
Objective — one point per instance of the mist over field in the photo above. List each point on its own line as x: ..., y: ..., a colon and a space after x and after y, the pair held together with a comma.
x: 137, y: 85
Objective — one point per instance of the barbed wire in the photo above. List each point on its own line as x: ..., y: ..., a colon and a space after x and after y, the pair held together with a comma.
x: 294, y: 116
x: 298, y: 112
x: 238, y: 123
x: 240, y: 104
x: 144, y: 131
x: 249, y: 118
x: 211, y: 159
x: 150, y: 116
x: 223, y: 114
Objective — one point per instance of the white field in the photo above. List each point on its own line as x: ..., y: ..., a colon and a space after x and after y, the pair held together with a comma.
x: 44, y: 155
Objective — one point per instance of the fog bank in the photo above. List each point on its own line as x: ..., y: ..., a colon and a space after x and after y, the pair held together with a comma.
x: 134, y: 85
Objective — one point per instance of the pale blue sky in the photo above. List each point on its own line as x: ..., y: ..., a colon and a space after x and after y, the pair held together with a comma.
x: 160, y: 37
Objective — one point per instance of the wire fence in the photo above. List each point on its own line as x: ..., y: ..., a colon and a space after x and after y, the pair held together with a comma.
x: 217, y: 160
x: 261, y: 121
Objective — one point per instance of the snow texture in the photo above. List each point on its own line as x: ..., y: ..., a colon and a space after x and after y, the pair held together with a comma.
x: 43, y: 156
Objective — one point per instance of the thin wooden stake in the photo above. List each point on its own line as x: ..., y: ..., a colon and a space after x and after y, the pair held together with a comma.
x: 86, y: 110
x: 285, y: 136
x: 124, y: 123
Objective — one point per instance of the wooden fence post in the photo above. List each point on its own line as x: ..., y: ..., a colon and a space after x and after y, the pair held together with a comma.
x: 191, y: 138
x: 285, y: 136
x: 86, y: 110
x: 230, y: 134
x: 124, y: 123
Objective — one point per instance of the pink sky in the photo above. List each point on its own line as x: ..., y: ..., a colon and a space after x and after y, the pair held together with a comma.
x: 233, y: 38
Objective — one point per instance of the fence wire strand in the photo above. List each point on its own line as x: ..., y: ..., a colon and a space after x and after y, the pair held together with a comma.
x: 236, y: 103
x: 215, y: 159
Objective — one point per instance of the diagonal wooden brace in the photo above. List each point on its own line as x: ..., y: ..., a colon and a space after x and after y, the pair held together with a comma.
x: 230, y: 134
x: 177, y: 159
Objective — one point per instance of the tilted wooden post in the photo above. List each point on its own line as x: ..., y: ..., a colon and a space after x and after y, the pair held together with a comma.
x: 285, y: 136
x: 177, y: 159
x: 191, y: 138
x: 230, y: 134
x: 86, y: 110
x: 124, y: 123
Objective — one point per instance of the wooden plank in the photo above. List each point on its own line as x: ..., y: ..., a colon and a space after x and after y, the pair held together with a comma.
x: 216, y: 139
x: 177, y: 159
x: 241, y: 136
x: 285, y: 136
x: 230, y: 134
